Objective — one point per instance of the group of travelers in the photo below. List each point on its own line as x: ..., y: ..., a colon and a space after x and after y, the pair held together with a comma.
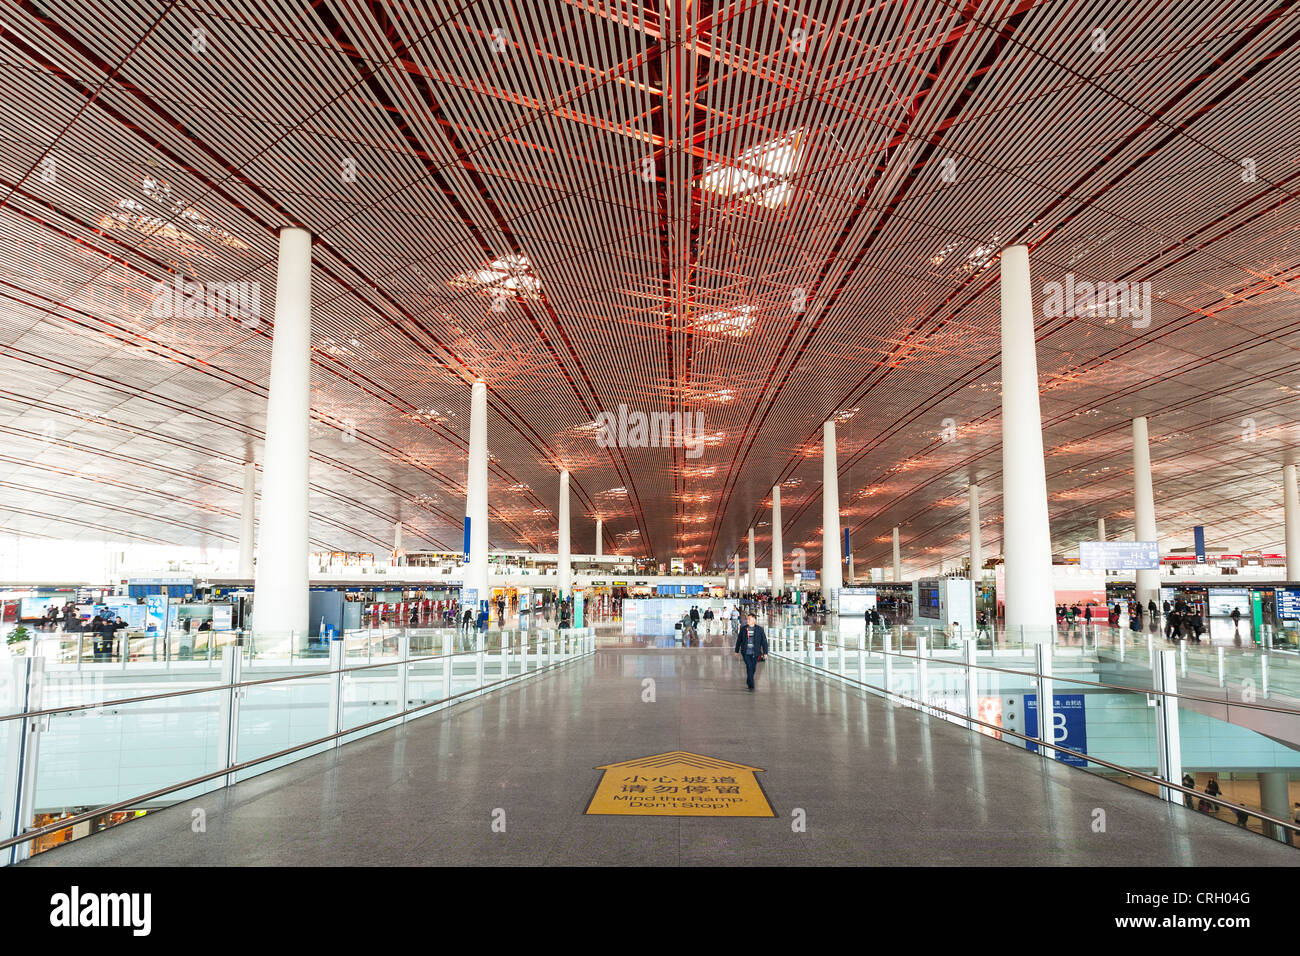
x: 1182, y: 623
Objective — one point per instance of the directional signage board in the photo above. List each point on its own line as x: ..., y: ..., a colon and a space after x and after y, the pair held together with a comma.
x: 1119, y: 555
x: 1288, y: 604
x: 1070, y: 726
x: 679, y: 784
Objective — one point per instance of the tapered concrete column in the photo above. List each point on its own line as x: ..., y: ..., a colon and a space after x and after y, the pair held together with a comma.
x: 1291, y: 512
x: 565, y: 555
x: 778, y: 557
x: 1144, y: 510
x: 1026, y: 535
x: 600, y: 537
x: 850, y: 569
x: 735, y: 564
x: 397, y: 543
x: 976, y: 543
x: 476, y: 503
x: 832, y: 572
x: 1101, y: 529
x: 898, y: 559
x: 752, y: 580
x: 1275, y: 799
x: 247, y: 512
x: 280, y: 588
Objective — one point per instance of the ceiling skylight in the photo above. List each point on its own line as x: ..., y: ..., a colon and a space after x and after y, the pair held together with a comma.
x: 735, y: 321
x: 761, y: 173
x: 509, y: 275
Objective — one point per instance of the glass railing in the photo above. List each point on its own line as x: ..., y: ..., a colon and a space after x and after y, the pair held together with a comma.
x: 1117, y: 729
x: 125, y: 741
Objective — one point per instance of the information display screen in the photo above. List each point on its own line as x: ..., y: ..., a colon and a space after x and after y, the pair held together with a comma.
x: 1223, y: 600
x: 1119, y: 555
x: 30, y: 607
x: 928, y: 604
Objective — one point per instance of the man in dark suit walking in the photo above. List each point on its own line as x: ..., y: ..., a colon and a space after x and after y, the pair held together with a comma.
x: 751, y: 644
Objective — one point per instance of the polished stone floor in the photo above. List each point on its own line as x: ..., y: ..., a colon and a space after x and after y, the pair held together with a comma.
x: 877, y: 784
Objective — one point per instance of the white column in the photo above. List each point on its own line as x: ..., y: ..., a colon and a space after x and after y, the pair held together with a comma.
x: 1026, y: 534
x: 247, y: 512
x: 280, y: 589
x: 832, y: 572
x: 752, y: 578
x: 850, y: 569
x: 1144, y: 510
x: 778, y: 558
x: 1101, y: 529
x: 976, y: 543
x: 1291, y: 511
x: 476, y: 504
x: 565, y: 555
x: 898, y: 559
x: 397, y: 542
x: 600, y: 537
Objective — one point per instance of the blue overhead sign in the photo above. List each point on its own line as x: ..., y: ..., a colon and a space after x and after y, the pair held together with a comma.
x: 1198, y: 535
x: 1119, y: 555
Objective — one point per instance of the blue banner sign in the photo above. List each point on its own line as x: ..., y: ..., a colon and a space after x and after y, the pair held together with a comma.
x: 1070, y: 726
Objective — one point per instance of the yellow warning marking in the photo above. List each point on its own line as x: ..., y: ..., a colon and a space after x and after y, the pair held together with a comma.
x: 679, y: 784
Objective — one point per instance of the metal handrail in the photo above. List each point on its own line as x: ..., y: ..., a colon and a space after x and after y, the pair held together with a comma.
x: 1073, y: 680
x: 242, y: 765
x: 70, y: 708
x: 964, y: 718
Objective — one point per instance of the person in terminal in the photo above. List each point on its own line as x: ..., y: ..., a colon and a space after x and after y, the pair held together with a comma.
x: 1190, y: 783
x: 1212, y: 790
x: 751, y: 644
x: 1236, y: 618
x: 1152, y: 610
x: 982, y: 625
x: 708, y: 620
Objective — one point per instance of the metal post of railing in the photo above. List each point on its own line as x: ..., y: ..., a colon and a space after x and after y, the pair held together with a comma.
x: 1263, y: 673
x: 448, y: 663
x: 862, y: 657
x: 922, y: 671
x: 18, y: 781
x: 1169, y: 753
x: 1151, y: 653
x: 523, y: 652
x: 1123, y: 643
x: 337, y: 662
x: 232, y: 666
x: 505, y: 654
x: 839, y: 653
x: 480, y: 653
x: 404, y: 675
x: 1220, y: 656
x: 81, y: 637
x: 1046, y: 701
x: 886, y: 643
x: 972, y: 696
x: 1182, y: 658
x: 812, y: 652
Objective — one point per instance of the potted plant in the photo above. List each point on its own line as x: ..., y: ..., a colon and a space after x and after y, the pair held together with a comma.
x: 18, y: 635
